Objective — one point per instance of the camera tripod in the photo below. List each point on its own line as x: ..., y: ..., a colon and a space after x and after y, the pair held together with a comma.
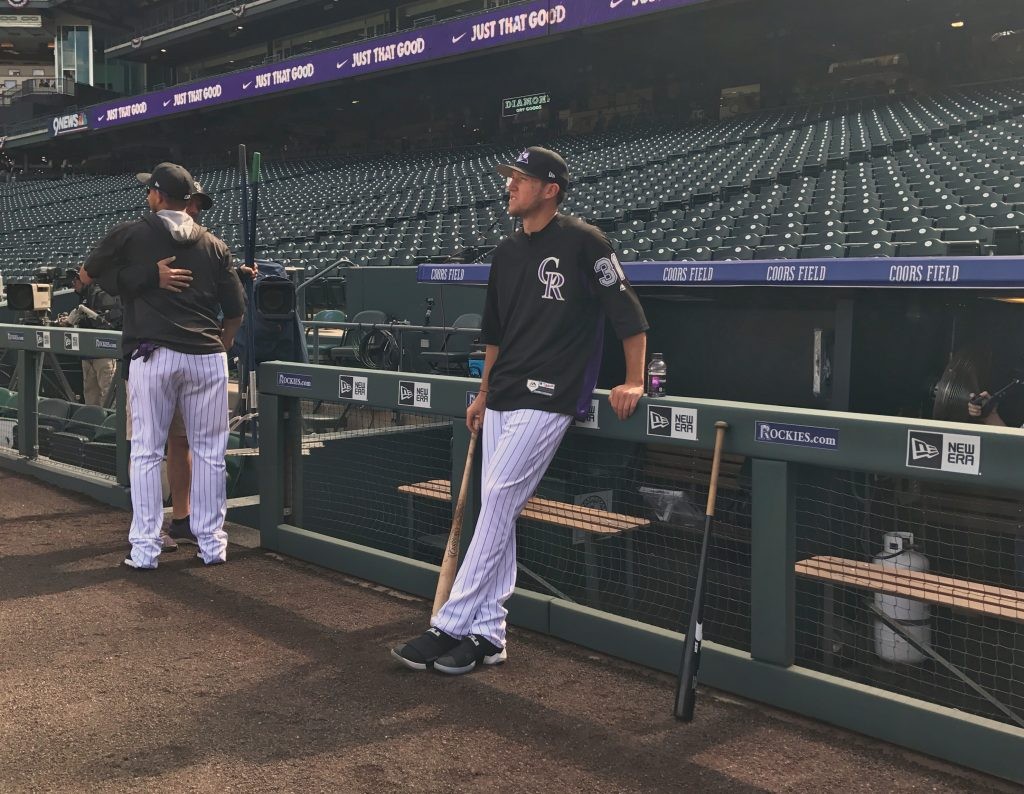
x: 50, y: 373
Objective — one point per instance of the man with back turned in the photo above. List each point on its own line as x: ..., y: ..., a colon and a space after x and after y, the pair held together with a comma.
x: 175, y: 348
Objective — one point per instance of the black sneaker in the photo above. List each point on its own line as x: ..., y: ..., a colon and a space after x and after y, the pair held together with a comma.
x: 420, y: 653
x: 180, y: 529
x: 470, y: 652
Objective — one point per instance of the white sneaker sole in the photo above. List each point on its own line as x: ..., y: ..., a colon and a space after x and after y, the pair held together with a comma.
x: 128, y: 562
x: 496, y: 658
x: 407, y: 662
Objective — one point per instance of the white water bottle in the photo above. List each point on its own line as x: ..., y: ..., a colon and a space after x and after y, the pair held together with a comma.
x: 657, y: 376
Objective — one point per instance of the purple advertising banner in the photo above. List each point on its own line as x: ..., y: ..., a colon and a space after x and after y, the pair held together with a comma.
x: 991, y: 272
x: 509, y: 25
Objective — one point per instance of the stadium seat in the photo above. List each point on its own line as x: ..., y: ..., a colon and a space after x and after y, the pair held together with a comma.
x: 68, y: 445
x: 453, y: 356
x: 328, y: 337
x: 777, y: 252
x: 348, y: 353
x: 926, y: 247
x: 734, y: 252
x: 826, y: 251
x: 8, y: 403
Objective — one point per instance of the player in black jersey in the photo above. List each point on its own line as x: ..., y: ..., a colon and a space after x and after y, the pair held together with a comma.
x: 551, y: 286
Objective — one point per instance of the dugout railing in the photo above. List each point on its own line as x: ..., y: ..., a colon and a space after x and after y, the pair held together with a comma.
x: 808, y: 608
x: 46, y: 434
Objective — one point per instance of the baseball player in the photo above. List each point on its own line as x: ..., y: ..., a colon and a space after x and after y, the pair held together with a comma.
x: 175, y: 348
x: 551, y: 286
x: 133, y: 282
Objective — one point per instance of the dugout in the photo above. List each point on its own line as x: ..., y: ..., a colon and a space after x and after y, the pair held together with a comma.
x: 858, y: 342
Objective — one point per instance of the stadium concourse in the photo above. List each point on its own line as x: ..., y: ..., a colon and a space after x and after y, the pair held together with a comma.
x: 266, y: 675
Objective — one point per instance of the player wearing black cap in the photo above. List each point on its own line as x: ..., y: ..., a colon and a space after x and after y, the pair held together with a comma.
x: 176, y: 345
x: 551, y: 286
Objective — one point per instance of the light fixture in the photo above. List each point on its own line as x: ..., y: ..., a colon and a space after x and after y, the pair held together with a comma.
x: 241, y: 27
x: 163, y: 49
x: 956, y: 23
x: 355, y: 101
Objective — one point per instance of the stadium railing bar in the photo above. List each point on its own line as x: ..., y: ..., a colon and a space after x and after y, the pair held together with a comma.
x: 805, y: 609
x: 78, y: 448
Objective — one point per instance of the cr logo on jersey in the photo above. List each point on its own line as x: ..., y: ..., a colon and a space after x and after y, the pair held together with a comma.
x: 552, y: 280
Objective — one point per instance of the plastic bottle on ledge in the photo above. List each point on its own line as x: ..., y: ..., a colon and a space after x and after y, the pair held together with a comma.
x: 657, y: 376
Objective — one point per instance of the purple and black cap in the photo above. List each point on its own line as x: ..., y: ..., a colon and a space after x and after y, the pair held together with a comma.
x: 544, y: 164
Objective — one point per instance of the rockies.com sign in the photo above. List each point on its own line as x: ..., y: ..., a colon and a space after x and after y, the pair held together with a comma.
x: 797, y: 435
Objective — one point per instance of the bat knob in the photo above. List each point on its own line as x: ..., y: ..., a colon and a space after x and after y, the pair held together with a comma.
x: 721, y: 425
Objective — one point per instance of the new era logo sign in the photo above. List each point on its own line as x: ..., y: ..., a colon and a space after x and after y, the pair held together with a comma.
x: 944, y: 452
x: 670, y: 422
x: 352, y: 387
x: 659, y: 420
x: 414, y: 394
x: 922, y: 449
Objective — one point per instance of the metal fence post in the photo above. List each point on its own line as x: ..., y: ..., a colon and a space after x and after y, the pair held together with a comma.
x: 772, y: 560
x: 293, y: 499
x: 29, y: 369
x: 272, y: 473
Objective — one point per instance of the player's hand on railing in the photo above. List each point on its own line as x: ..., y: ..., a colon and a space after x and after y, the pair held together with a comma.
x: 624, y: 399
x: 173, y: 279
x: 251, y: 271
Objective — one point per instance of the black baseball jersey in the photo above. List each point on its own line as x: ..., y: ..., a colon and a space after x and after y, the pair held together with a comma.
x: 547, y: 298
x: 187, y: 321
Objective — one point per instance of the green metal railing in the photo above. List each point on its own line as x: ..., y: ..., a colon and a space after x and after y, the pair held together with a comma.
x: 774, y: 670
x: 36, y: 348
x: 789, y: 502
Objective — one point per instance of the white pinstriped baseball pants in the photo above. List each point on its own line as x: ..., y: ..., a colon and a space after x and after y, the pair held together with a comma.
x: 518, y: 446
x: 198, y: 385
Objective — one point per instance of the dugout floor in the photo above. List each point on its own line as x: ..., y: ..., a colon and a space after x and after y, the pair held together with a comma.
x: 268, y: 674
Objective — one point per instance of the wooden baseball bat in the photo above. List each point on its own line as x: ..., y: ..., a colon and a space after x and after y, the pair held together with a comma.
x: 686, y: 687
x: 450, y: 561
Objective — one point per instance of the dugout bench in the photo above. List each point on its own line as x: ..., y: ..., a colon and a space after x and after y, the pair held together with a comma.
x: 593, y: 523
x: 944, y: 591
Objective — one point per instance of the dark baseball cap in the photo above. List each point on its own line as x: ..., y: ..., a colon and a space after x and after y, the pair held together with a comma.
x: 541, y: 163
x: 205, y: 202
x: 170, y: 179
